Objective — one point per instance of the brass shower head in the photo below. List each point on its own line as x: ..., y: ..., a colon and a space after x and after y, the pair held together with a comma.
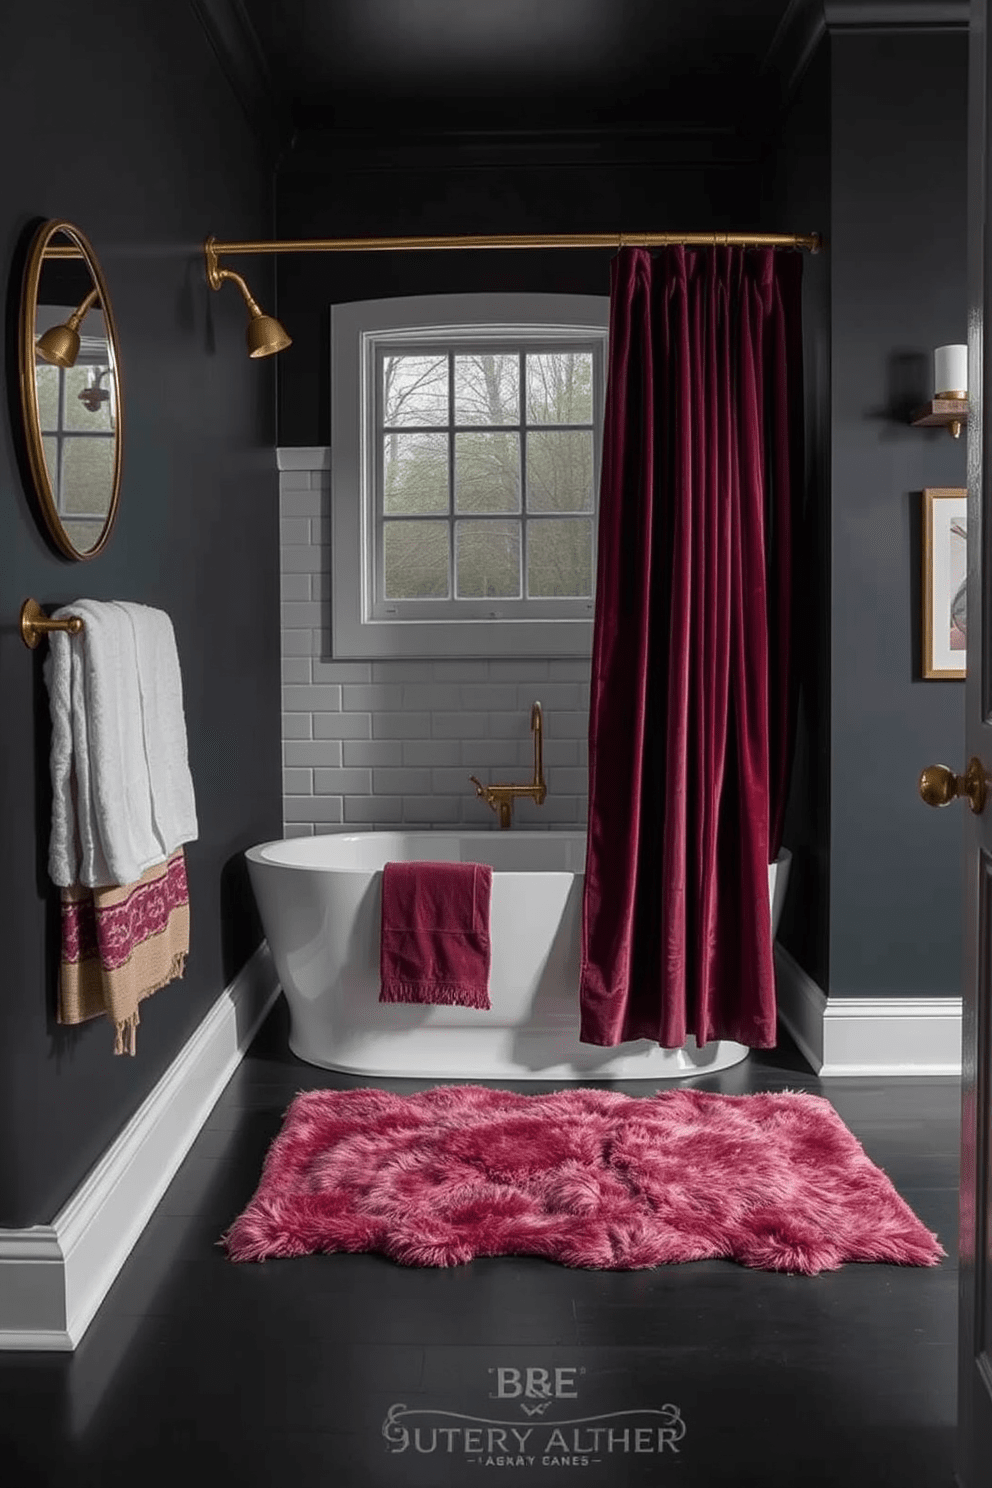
x: 60, y: 344
x: 264, y: 334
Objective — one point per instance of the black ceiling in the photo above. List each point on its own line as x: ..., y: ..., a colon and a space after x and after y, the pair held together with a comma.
x: 373, y: 66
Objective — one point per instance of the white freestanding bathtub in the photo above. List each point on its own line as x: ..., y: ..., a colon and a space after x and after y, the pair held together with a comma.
x: 320, y: 897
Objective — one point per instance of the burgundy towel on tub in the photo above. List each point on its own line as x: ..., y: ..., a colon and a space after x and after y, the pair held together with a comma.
x: 434, y: 945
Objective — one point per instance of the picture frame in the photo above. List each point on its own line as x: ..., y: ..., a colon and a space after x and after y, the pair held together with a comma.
x: 945, y: 569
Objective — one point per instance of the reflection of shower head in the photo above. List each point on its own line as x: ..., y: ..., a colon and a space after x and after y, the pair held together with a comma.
x: 60, y: 343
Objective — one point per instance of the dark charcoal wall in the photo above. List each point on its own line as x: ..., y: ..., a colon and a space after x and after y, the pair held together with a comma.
x: 136, y: 137
x: 798, y: 199
x: 449, y: 189
x: 898, y: 289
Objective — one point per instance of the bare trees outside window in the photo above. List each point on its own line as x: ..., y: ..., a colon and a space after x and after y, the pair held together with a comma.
x: 487, y: 469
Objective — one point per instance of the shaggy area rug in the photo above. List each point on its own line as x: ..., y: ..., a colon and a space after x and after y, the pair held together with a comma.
x: 582, y: 1177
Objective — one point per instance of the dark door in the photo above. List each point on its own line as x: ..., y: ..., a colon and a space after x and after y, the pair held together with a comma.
x: 974, y: 1459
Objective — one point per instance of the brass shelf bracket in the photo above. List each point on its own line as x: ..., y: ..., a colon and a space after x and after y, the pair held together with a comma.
x: 949, y: 413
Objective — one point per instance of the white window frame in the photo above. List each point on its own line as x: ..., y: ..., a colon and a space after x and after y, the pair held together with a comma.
x: 358, y: 330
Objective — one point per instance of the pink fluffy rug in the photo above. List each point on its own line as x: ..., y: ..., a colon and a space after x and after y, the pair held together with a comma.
x: 582, y: 1177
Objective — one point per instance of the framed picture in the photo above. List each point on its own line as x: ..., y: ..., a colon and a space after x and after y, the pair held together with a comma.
x: 945, y: 590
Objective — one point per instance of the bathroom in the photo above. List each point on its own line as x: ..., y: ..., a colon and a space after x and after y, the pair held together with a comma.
x: 151, y: 128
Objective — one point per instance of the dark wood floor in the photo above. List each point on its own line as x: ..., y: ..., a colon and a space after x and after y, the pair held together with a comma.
x: 196, y: 1370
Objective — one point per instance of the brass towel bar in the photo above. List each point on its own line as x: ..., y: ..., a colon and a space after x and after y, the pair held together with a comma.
x: 35, y: 623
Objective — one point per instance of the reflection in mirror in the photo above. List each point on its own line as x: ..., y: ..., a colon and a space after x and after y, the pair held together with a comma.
x: 73, y: 418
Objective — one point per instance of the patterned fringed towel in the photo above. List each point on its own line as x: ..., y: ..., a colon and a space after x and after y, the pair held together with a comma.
x: 122, y: 943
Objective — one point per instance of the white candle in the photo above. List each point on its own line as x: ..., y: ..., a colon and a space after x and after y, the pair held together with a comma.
x: 950, y: 370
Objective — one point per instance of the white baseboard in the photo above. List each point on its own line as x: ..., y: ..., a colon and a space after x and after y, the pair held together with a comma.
x: 54, y: 1277
x: 868, y: 1035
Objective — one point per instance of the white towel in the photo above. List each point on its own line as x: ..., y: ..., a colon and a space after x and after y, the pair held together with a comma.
x: 161, y: 689
x: 122, y: 796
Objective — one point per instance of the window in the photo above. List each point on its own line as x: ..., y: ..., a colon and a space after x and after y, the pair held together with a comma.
x: 465, y: 456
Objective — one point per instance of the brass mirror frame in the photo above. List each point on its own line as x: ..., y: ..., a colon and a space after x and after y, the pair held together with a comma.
x: 29, y: 392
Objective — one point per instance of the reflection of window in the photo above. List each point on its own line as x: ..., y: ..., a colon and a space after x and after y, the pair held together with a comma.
x: 471, y: 499
x: 77, y: 407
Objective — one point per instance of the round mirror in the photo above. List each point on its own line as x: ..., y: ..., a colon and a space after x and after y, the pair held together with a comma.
x: 70, y: 389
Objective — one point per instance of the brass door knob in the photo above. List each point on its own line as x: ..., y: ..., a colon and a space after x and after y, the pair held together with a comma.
x: 939, y: 785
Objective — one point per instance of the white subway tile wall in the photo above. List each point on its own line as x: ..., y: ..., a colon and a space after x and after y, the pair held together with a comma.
x: 381, y: 744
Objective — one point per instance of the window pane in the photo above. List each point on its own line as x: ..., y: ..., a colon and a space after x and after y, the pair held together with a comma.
x: 87, y: 475
x: 559, y: 558
x: 51, y: 449
x: 80, y: 415
x: 414, y: 474
x: 414, y: 390
x: 46, y: 380
x: 487, y: 389
x: 487, y: 472
x: 415, y: 560
x: 82, y: 532
x: 559, y: 470
x: 487, y: 560
x: 559, y: 387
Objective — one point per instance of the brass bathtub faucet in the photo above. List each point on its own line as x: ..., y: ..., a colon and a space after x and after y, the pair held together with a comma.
x: 501, y: 797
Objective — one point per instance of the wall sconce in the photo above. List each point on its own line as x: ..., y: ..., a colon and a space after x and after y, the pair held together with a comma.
x: 950, y: 380
x: 949, y: 405
x: 93, y: 395
x: 264, y: 334
x: 60, y: 344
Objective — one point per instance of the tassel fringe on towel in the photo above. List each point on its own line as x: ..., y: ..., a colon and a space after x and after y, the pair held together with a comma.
x: 442, y: 994
x: 125, y: 1029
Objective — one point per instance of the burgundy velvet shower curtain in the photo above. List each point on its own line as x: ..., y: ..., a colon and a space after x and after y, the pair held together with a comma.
x: 690, y: 725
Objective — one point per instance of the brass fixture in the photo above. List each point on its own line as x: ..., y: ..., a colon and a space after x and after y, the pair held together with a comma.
x: 60, y: 344
x: 812, y: 241
x: 264, y: 334
x: 948, y: 411
x: 501, y: 797
x: 939, y: 785
x: 35, y: 623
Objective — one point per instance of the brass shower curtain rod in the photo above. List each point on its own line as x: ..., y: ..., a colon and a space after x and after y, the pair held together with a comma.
x: 265, y: 335
x: 811, y: 241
